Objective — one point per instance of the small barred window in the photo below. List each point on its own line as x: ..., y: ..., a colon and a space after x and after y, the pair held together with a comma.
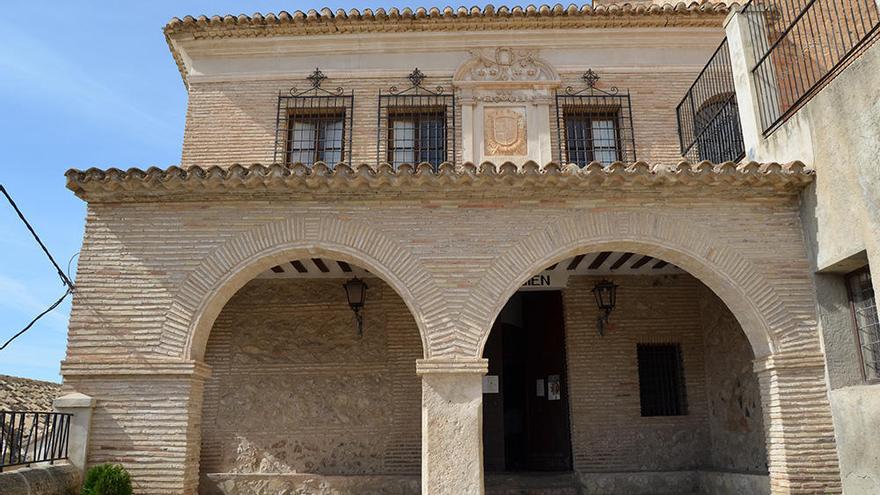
x: 416, y: 125
x: 594, y: 124
x: 661, y: 380
x: 314, y: 125
x: 867, y: 325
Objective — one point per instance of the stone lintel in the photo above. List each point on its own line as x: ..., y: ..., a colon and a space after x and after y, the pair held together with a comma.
x: 135, y: 368
x: 479, y: 366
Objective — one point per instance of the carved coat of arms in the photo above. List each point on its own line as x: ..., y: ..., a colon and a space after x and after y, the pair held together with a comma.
x: 504, y: 132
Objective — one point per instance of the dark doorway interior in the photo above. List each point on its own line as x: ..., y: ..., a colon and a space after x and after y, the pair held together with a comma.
x: 526, y: 423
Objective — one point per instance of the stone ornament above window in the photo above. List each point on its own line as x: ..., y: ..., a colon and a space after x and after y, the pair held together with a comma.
x: 504, y: 131
x: 507, y: 67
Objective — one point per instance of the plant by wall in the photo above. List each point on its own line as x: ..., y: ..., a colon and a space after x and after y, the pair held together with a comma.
x: 107, y: 479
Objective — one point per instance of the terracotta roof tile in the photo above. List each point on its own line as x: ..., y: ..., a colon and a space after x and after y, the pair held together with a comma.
x: 137, y: 184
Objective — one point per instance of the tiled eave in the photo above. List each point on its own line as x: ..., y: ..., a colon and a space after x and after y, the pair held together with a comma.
x: 354, y: 21
x: 298, y: 180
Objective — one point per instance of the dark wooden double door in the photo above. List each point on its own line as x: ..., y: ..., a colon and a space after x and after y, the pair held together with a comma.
x: 526, y: 422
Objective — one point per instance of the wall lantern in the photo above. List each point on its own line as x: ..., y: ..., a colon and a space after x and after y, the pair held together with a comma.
x: 356, y: 291
x: 606, y: 297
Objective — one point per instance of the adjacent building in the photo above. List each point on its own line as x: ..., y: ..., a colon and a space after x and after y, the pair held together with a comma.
x: 458, y: 251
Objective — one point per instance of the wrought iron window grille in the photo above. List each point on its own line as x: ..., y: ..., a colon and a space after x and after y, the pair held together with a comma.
x: 314, y: 124
x: 594, y: 124
x: 866, y: 323
x: 708, y: 116
x: 662, y: 389
x: 416, y: 124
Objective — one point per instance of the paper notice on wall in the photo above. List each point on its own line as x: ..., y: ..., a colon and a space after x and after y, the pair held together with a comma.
x: 539, y: 387
x: 490, y: 384
x: 554, y: 387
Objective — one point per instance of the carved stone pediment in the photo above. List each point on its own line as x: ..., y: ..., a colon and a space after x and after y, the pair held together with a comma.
x: 508, y: 67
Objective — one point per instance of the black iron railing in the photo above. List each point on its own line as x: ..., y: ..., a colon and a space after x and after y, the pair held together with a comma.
x: 28, y: 437
x: 800, y: 44
x: 708, y: 116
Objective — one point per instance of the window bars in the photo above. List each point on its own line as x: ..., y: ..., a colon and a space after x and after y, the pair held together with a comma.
x: 594, y: 124
x: 800, y: 44
x: 708, y: 117
x: 31, y: 437
x: 416, y: 125
x: 867, y: 324
x: 314, y: 125
x: 661, y: 380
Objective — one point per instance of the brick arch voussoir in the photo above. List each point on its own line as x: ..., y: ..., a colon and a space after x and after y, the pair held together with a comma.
x: 227, y: 268
x: 761, y: 312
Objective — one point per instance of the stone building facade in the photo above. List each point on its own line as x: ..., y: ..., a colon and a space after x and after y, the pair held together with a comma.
x: 212, y: 329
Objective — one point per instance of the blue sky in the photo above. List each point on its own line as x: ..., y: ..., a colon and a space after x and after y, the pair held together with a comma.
x: 82, y: 84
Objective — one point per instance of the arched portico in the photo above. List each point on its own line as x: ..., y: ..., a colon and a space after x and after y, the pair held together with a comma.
x: 207, y: 289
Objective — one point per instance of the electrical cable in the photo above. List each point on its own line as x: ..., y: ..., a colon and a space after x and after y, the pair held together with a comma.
x: 65, y: 279
x: 29, y: 325
x: 61, y: 274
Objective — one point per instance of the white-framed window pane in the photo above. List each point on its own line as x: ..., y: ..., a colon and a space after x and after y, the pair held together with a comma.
x: 302, y: 142
x: 332, y: 141
x: 604, y: 141
x: 403, y: 141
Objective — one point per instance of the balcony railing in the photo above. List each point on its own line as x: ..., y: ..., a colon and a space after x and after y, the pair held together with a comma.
x: 708, y: 117
x: 28, y: 437
x: 799, y: 45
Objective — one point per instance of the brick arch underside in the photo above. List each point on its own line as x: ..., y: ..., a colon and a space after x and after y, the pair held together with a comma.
x: 208, y: 288
x: 768, y: 321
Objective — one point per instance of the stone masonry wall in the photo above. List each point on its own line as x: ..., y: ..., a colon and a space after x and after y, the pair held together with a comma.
x: 234, y: 122
x: 736, y: 420
x: 295, y: 390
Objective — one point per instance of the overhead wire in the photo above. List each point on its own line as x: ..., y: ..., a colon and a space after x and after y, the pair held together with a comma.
x: 65, y: 279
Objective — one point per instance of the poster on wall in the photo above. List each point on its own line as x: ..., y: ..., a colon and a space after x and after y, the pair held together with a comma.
x: 553, y: 387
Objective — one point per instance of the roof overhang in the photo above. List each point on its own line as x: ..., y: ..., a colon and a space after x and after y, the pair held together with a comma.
x: 182, y: 33
x: 447, y: 181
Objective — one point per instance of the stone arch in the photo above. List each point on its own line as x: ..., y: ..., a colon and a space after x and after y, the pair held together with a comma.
x: 761, y: 313
x: 208, y: 288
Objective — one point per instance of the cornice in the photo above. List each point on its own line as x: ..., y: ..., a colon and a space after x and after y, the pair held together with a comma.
x: 503, y: 18
x: 155, y: 184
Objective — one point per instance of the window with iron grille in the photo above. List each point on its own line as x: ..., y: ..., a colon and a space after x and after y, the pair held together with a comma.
x: 314, y: 125
x: 416, y: 125
x: 661, y: 380
x: 594, y: 125
x: 867, y: 326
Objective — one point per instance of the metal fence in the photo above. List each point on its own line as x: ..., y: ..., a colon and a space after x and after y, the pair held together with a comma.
x: 801, y: 44
x: 708, y: 117
x: 28, y: 437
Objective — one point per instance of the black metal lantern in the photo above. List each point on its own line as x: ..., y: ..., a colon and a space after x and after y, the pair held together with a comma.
x: 356, y: 292
x: 606, y: 297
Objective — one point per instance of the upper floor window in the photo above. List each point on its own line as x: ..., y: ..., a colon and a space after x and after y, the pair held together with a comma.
x: 314, y: 125
x: 594, y: 124
x: 316, y: 137
x: 416, y: 136
x: 864, y: 309
x: 416, y: 125
x: 661, y: 380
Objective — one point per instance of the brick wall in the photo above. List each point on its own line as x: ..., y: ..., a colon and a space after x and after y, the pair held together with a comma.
x: 608, y: 432
x: 234, y: 122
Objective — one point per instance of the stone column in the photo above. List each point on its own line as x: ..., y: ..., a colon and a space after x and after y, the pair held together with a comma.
x: 81, y: 406
x: 801, y: 447
x: 452, y: 425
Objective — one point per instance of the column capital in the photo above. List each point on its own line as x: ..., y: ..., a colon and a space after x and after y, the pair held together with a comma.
x: 448, y: 365
x: 789, y: 361
x: 74, y: 400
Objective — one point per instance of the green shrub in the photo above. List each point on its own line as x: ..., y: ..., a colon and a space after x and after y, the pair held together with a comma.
x: 107, y: 479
